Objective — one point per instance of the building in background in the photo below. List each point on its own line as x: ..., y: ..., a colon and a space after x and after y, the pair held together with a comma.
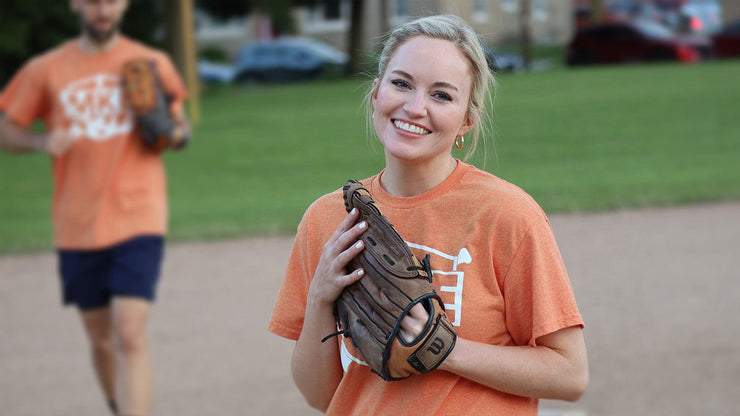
x: 702, y: 17
x: 497, y: 21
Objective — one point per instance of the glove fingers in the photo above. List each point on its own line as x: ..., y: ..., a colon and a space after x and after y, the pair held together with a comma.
x: 364, y: 333
x: 380, y: 286
x: 379, y: 318
x: 146, y: 99
x: 141, y: 87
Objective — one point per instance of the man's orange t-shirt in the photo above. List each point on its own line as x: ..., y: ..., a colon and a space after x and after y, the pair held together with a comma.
x: 107, y: 187
x: 496, y: 266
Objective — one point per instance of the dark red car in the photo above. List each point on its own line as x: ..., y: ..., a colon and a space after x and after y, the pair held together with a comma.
x: 633, y: 41
x: 726, y: 42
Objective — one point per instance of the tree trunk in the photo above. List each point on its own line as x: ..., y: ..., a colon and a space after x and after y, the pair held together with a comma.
x: 385, y: 20
x: 355, y: 38
x: 525, y: 32
x: 597, y: 7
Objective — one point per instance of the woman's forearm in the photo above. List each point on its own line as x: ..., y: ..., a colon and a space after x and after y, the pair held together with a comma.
x: 555, y: 369
x: 316, y: 366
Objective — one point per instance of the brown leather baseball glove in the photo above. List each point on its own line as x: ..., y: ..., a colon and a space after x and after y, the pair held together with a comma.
x: 143, y: 90
x: 370, y: 311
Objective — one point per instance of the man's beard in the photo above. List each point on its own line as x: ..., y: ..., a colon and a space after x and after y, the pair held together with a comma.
x: 98, y: 36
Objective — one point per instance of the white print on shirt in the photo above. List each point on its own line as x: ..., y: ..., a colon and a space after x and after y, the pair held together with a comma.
x: 347, y: 356
x: 456, y: 276
x: 452, y: 309
x: 95, y: 108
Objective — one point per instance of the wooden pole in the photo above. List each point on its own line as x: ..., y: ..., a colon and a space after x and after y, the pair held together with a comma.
x: 525, y: 32
x: 190, y: 59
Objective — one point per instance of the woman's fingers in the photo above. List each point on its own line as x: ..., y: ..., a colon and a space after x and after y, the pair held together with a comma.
x: 414, y: 322
x: 331, y: 275
x: 344, y: 226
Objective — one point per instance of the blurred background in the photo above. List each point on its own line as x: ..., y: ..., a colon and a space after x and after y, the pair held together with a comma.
x: 279, y: 40
x: 618, y: 116
x: 600, y: 104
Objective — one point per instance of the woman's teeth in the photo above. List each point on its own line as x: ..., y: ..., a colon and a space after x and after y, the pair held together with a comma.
x: 410, y: 128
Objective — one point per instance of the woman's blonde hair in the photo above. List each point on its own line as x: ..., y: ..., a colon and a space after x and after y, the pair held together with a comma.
x: 454, y: 29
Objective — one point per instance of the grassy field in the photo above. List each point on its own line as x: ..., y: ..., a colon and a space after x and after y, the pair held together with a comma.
x: 577, y: 140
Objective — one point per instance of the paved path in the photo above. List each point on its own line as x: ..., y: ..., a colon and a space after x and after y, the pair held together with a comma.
x: 659, y: 290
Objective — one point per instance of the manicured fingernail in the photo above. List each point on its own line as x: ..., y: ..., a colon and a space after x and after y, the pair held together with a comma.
x: 354, y: 210
x: 363, y: 225
x: 359, y: 244
x: 361, y: 272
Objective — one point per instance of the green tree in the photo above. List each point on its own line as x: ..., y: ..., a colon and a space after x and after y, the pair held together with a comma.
x: 279, y: 11
x: 33, y: 26
x: 29, y: 27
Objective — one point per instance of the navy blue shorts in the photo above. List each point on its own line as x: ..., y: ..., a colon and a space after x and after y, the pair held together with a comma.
x: 91, y: 278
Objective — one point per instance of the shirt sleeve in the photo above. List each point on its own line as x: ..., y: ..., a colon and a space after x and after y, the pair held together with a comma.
x: 290, y: 306
x: 537, y: 290
x: 172, y: 83
x: 24, y: 99
x: 319, y: 222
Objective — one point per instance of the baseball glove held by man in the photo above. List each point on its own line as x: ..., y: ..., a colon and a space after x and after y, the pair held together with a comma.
x: 370, y: 311
x: 143, y: 90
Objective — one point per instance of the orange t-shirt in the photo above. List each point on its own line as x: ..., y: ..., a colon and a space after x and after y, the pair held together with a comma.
x: 107, y: 187
x: 496, y: 266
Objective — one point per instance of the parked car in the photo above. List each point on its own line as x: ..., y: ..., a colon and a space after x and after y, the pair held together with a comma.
x: 286, y: 59
x: 699, y: 16
x: 215, y: 72
x: 682, y: 16
x: 726, y: 42
x: 633, y: 41
x: 503, y: 62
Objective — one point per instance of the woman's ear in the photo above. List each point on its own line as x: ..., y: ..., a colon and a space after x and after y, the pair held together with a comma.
x: 467, y: 126
x: 374, y: 89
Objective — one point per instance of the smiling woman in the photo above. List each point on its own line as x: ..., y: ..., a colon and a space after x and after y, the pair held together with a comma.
x: 494, y: 259
x: 421, y: 104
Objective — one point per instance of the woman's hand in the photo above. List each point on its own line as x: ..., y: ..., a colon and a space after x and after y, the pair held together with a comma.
x: 330, y: 276
x: 413, y: 324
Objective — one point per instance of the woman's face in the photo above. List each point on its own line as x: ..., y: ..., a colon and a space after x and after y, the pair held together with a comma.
x: 421, y: 103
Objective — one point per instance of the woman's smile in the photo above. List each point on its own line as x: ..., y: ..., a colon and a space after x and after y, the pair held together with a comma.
x: 407, y: 127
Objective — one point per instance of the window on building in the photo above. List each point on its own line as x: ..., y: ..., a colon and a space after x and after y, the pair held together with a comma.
x: 539, y: 10
x: 510, y: 6
x: 331, y: 10
x: 403, y: 8
x: 480, y: 11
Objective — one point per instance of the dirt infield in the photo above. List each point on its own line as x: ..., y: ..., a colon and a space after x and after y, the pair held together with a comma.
x: 659, y: 290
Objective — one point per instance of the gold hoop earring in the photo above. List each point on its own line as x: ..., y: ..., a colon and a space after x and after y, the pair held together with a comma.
x: 459, y: 142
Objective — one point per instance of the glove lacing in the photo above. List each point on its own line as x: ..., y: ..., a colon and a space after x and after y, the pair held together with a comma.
x: 425, y: 265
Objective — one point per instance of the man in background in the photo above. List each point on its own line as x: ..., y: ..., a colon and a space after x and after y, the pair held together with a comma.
x: 109, y: 209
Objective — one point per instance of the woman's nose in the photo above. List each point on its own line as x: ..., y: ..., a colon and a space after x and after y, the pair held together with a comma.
x: 415, y: 106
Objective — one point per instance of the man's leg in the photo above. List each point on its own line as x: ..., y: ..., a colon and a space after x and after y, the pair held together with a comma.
x: 97, y: 323
x: 134, y: 381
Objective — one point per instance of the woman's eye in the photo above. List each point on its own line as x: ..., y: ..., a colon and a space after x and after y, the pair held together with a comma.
x: 400, y: 83
x: 442, y: 96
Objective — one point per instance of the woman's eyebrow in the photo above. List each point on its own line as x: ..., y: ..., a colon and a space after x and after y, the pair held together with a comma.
x: 437, y: 84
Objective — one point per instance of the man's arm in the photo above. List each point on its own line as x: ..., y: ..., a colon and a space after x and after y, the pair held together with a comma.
x: 17, y: 139
x: 181, y: 133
